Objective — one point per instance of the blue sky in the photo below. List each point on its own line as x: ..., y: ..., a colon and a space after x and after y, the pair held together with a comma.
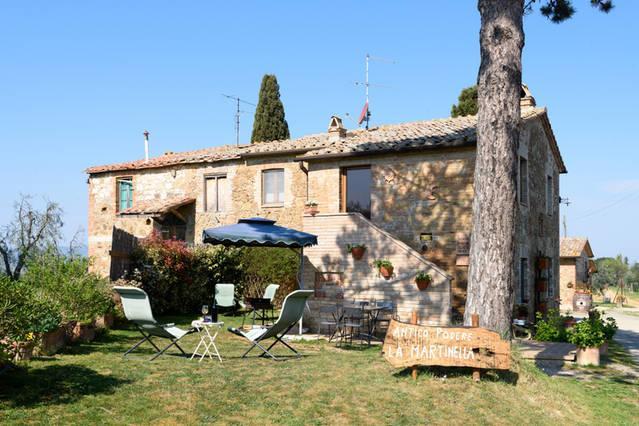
x: 80, y: 81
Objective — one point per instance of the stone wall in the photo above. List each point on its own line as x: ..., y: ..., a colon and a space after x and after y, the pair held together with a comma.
x: 538, y: 234
x: 412, y: 194
x: 336, y: 275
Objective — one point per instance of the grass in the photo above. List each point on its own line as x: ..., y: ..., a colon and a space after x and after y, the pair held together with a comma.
x: 91, y: 383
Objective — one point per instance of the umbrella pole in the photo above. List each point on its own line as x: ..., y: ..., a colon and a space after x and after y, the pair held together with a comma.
x: 214, y: 305
x: 300, y: 275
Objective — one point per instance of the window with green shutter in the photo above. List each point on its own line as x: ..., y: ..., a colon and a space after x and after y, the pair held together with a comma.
x: 125, y: 193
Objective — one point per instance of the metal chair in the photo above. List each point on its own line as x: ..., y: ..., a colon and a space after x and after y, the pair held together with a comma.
x: 329, y: 317
x: 384, y: 317
x: 352, y: 322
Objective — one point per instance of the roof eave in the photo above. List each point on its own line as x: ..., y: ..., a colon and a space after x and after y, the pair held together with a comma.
x: 455, y: 144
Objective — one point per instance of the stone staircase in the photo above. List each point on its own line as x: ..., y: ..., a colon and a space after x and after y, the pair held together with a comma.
x: 334, y: 274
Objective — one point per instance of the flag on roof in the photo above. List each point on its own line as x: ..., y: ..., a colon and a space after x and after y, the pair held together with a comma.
x: 364, y: 115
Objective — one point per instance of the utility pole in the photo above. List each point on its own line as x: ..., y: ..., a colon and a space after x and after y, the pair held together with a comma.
x: 237, y: 115
x: 566, y: 202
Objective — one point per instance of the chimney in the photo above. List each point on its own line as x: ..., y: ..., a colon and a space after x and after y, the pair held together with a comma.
x: 336, y: 130
x: 146, y: 145
x: 526, y: 100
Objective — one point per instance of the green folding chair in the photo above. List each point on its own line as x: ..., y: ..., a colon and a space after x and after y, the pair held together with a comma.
x: 137, y: 309
x: 291, y: 313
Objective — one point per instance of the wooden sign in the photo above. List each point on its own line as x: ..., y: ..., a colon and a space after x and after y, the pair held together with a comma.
x: 408, y: 345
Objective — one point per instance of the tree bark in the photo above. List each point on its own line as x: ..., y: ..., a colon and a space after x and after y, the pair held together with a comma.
x: 491, y: 270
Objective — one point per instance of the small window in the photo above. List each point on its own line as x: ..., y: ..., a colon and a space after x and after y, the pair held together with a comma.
x: 523, y: 181
x: 125, y: 193
x: 356, y: 190
x: 523, y: 280
x: 215, y: 193
x: 273, y: 186
x: 549, y: 196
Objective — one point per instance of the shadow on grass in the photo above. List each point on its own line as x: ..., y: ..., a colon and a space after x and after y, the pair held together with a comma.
x: 54, y: 385
x: 502, y: 376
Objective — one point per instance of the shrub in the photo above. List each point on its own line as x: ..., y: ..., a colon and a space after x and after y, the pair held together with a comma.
x: 23, y: 315
x: 179, y: 279
x: 65, y: 283
x: 265, y: 265
x: 551, y: 328
x: 382, y: 263
x: 588, y: 333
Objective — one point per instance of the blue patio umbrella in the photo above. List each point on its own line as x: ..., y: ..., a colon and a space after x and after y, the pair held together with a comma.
x: 259, y: 232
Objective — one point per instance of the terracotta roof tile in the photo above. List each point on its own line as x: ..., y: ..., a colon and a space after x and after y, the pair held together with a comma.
x: 573, y: 246
x: 154, y: 207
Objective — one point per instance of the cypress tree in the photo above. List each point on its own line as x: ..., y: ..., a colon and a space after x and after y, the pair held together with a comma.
x: 467, y: 103
x: 270, y: 123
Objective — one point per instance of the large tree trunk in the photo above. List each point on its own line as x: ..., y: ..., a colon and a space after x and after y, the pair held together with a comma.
x: 490, y: 280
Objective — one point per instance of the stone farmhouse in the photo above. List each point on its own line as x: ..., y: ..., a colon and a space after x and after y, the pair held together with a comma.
x: 576, y: 269
x: 403, y: 190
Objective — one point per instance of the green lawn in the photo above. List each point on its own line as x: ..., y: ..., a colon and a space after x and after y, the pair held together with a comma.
x: 91, y: 383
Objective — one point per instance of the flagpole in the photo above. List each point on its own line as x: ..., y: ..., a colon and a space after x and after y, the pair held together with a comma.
x: 366, y: 84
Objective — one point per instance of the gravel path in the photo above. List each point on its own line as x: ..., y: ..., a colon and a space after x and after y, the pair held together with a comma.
x: 628, y: 333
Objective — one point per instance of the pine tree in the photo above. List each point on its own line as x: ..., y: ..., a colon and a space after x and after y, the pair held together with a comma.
x: 492, y: 250
x: 270, y: 122
x: 467, y: 103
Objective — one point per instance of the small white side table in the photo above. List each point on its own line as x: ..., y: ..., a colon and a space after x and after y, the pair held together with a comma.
x: 208, y: 333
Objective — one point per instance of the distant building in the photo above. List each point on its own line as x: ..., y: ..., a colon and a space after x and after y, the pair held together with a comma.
x: 403, y: 190
x: 576, y: 268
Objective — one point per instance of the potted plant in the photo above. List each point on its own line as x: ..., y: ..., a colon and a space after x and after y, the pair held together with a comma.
x: 311, y: 207
x: 384, y: 267
x: 357, y: 250
x: 423, y: 280
x: 543, y: 263
x: 588, y: 335
x: 609, y: 328
x: 24, y: 349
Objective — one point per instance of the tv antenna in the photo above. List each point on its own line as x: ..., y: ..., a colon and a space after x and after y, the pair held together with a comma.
x: 366, y: 113
x: 238, y: 111
x: 566, y: 202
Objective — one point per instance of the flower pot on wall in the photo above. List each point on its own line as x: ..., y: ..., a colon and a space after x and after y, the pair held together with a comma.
x: 422, y: 284
x: 588, y: 356
x: 386, y: 271
x: 312, y: 210
x: 358, y: 252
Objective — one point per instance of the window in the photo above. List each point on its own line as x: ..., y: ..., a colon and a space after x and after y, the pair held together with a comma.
x: 523, y: 181
x: 215, y: 193
x: 273, y: 186
x: 356, y: 190
x: 125, y: 193
x: 549, y: 196
x: 523, y: 280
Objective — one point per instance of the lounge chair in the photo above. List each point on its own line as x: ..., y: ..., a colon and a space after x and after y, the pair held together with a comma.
x: 291, y: 313
x: 137, y: 309
x: 225, y: 296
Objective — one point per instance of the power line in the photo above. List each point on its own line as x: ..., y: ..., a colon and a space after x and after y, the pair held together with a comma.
x: 607, y: 206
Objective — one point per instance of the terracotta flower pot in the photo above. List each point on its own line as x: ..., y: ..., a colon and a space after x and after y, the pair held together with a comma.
x: 570, y: 322
x: 588, y: 356
x: 53, y: 341
x: 312, y: 210
x: 358, y: 252
x: 104, y: 322
x: 24, y: 351
x: 423, y: 283
x: 83, y: 332
x: 386, y: 272
x: 543, y: 263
